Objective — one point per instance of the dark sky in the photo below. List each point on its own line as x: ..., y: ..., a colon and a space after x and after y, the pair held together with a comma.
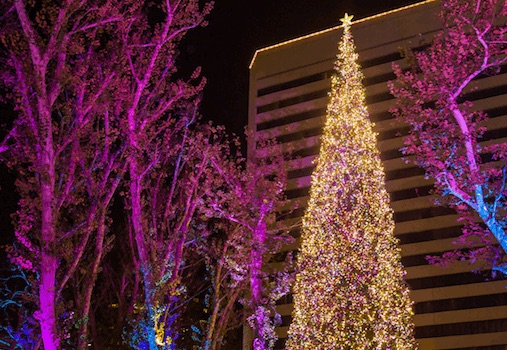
x: 238, y: 27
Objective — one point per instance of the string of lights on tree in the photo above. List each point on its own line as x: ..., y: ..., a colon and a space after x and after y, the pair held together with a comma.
x: 349, y: 291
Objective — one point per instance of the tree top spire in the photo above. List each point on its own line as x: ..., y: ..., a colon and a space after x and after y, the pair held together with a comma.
x: 347, y: 20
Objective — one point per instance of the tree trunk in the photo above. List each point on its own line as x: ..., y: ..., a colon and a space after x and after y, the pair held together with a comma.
x: 259, y: 238
x: 87, y: 298
x: 144, y: 260
x: 48, y: 266
x: 208, y: 344
x: 47, y: 316
x: 151, y: 334
x: 48, y: 261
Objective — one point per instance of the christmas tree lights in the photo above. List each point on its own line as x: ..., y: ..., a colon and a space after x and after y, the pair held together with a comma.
x: 349, y: 291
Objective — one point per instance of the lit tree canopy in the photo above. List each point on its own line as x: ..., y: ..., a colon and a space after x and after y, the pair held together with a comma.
x: 433, y: 97
x: 349, y: 291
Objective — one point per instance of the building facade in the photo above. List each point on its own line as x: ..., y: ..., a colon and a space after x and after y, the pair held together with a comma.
x: 289, y: 82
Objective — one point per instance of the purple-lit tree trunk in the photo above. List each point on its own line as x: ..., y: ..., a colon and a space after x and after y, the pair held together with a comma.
x: 256, y: 277
x: 446, y: 130
x: 46, y: 162
x: 48, y: 261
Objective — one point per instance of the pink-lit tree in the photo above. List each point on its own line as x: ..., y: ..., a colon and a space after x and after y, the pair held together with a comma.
x: 164, y: 182
x: 62, y: 147
x: 95, y: 93
x: 254, y: 195
x: 446, y: 130
x: 175, y: 230
x: 226, y: 256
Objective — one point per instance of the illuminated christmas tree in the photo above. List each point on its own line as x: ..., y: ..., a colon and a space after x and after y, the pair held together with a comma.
x: 349, y: 291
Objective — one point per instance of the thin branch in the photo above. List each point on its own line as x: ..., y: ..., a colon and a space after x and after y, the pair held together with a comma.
x: 133, y: 68
x: 190, y: 207
x: 474, y: 74
x: 91, y: 102
x: 94, y: 25
x: 155, y: 115
x: 500, y: 194
x: 70, y: 180
x: 235, y: 186
x: 11, y: 9
x: 29, y: 32
x: 457, y: 192
x: 176, y: 172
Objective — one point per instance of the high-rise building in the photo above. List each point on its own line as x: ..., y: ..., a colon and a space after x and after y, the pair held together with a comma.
x: 289, y: 82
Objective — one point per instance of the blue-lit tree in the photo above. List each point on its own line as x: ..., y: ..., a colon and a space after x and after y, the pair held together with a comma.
x: 446, y: 130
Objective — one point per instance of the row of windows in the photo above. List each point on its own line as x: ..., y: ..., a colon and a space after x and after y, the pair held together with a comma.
x: 314, y: 150
x: 445, y: 281
x: 430, y: 235
x: 406, y: 261
x: 294, y: 83
x: 492, y: 347
x: 404, y: 173
x: 454, y: 279
x: 475, y: 327
x: 319, y: 112
x: 300, y: 135
x: 413, y: 237
x: 421, y: 191
x: 464, y: 303
x: 292, y: 101
x: 484, y: 93
x: 419, y: 214
x: 434, y: 306
x: 415, y: 260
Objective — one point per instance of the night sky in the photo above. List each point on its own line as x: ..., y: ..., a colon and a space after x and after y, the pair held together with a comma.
x: 237, y: 28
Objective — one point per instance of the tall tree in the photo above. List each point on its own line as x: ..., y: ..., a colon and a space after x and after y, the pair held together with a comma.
x: 433, y: 97
x: 226, y: 255
x: 349, y: 291
x: 254, y: 194
x: 171, y: 196
x: 157, y: 113
x: 60, y: 146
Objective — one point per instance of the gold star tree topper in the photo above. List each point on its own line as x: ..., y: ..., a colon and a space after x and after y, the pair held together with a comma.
x: 347, y: 20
